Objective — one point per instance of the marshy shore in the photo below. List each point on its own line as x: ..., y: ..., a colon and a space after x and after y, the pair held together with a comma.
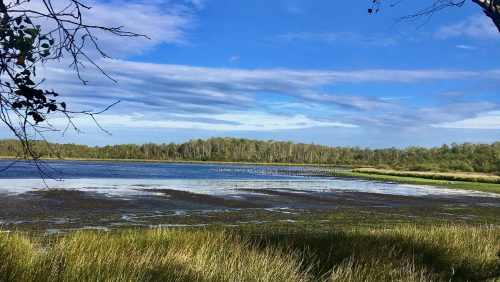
x: 56, y: 210
x: 248, y: 234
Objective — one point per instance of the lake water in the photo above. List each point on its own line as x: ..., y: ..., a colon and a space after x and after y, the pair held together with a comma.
x: 130, y: 178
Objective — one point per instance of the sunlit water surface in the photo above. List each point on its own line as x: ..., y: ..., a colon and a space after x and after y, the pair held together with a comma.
x: 128, y: 179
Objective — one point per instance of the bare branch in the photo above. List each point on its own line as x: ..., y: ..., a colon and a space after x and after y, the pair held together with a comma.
x: 491, y: 8
x: 24, y: 107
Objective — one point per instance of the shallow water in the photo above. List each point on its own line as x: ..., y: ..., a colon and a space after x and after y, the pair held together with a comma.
x: 124, y: 179
x: 147, y: 170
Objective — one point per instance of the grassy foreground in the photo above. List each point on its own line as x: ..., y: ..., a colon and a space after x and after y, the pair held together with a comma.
x: 403, y: 254
x: 417, y: 178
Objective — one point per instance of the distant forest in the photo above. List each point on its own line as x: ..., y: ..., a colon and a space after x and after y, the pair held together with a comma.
x: 456, y: 157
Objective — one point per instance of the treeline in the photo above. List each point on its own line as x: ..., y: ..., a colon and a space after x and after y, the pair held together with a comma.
x: 456, y: 157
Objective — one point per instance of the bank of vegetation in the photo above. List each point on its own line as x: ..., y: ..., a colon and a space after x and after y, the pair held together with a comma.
x: 470, y: 177
x: 464, y: 157
x: 451, y: 253
x: 408, y: 177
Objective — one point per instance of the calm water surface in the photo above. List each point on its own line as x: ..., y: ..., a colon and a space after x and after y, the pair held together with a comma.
x: 129, y: 178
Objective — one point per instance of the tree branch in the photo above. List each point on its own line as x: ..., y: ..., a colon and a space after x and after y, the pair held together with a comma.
x: 24, y: 107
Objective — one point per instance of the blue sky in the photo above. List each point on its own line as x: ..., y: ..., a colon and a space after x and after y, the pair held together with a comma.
x: 313, y: 71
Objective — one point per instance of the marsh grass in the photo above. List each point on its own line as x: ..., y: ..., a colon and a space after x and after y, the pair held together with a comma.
x: 455, y: 253
x: 455, y: 176
x: 143, y: 255
x: 403, y: 254
x: 418, y: 179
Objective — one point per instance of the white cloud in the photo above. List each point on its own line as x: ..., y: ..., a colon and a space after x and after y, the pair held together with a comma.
x: 488, y: 120
x: 477, y: 26
x: 162, y: 24
x: 168, y: 94
x: 161, y: 21
x: 200, y: 4
x: 177, y: 88
x: 465, y: 47
x: 338, y: 37
x: 396, y: 98
x: 234, y: 58
x: 232, y: 121
x: 415, y: 117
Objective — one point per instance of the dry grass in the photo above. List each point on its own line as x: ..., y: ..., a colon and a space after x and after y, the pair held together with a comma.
x: 452, y: 176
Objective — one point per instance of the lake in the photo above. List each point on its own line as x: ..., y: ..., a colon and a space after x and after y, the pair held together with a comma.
x: 132, y: 178
x: 106, y: 195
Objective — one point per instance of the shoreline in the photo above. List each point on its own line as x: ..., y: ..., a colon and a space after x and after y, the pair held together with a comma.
x: 451, y: 184
x: 50, y: 209
x: 8, y: 158
x: 347, y: 172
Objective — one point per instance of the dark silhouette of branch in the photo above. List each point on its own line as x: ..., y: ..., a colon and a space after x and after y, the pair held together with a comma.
x: 491, y: 9
x: 26, y: 108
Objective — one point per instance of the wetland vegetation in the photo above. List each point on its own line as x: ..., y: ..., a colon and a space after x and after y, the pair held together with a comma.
x: 484, y: 183
x: 406, y: 253
x: 227, y: 209
x: 271, y: 224
x: 464, y: 176
x: 267, y: 235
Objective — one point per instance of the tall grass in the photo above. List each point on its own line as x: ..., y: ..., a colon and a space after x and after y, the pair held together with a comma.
x: 456, y: 176
x: 420, y: 180
x: 144, y: 255
x: 402, y: 254
x: 455, y: 253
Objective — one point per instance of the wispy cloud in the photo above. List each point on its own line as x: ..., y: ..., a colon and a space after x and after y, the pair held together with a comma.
x: 155, y: 84
x: 465, y: 47
x: 234, y: 58
x: 232, y: 121
x: 487, y: 120
x: 455, y: 111
x: 162, y: 21
x: 396, y: 98
x: 412, y: 118
x: 476, y: 26
x: 337, y: 38
x: 169, y: 93
x: 200, y: 4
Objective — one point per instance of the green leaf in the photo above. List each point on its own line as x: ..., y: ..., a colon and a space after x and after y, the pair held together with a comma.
x: 53, y: 107
x: 31, y: 31
x: 20, y: 60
